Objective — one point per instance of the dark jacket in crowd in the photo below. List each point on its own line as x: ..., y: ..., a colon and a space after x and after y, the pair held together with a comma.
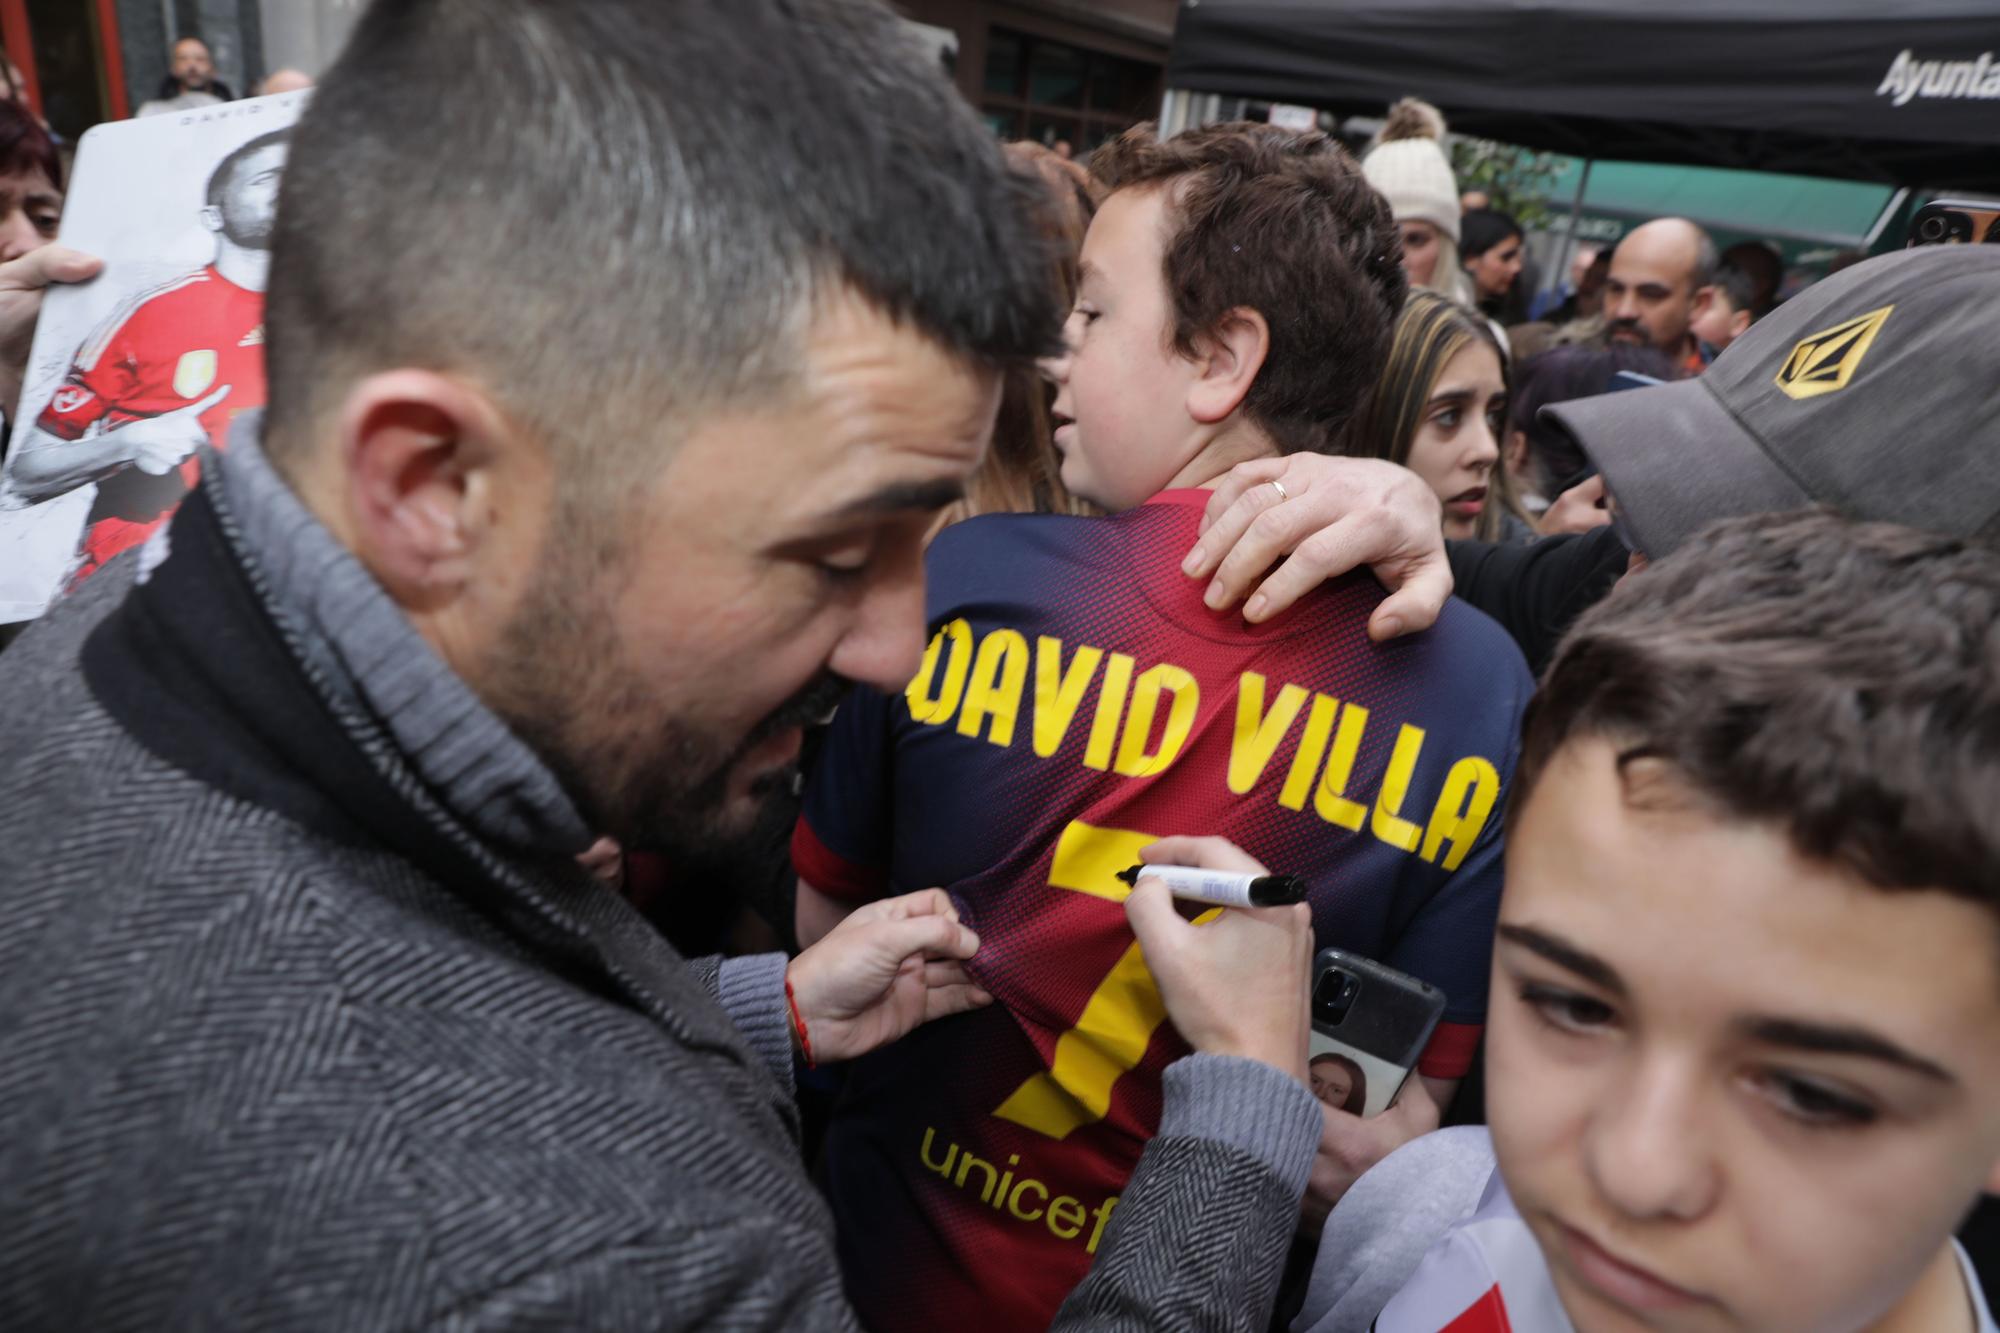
x: 170, y: 88
x: 1537, y: 590
x: 308, y: 1020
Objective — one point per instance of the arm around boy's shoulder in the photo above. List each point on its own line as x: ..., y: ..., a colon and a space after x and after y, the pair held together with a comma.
x: 1381, y: 1229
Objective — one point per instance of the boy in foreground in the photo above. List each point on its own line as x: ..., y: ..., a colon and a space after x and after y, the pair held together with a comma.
x: 1080, y: 703
x: 1741, y: 1064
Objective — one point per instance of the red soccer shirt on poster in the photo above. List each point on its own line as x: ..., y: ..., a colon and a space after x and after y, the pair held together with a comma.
x: 164, y: 349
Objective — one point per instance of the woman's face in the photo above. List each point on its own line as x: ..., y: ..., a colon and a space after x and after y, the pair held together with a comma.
x: 1494, y: 271
x: 30, y: 209
x: 1420, y: 251
x: 1457, y: 439
x: 1330, y: 1082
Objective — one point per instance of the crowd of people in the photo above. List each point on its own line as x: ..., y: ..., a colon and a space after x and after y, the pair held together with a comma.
x: 947, y: 532
x: 191, y: 83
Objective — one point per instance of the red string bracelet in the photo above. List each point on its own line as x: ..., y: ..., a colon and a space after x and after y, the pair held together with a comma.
x: 799, y: 1026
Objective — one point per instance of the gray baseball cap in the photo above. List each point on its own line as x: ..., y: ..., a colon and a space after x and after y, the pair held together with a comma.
x: 1876, y: 391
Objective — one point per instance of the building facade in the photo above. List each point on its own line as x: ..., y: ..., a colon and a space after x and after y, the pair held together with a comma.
x: 80, y: 62
x: 1074, y: 71
x: 85, y: 61
x: 1056, y: 70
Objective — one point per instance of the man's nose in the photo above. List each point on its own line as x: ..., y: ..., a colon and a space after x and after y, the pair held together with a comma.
x: 886, y: 645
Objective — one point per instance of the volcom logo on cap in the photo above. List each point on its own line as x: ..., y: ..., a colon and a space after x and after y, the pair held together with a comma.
x: 1824, y: 362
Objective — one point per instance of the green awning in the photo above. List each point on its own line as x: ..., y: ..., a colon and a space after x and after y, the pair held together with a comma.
x: 1799, y: 214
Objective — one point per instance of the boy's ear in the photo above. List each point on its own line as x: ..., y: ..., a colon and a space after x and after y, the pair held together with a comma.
x: 1232, y: 356
x: 1739, y: 323
x: 1703, y: 297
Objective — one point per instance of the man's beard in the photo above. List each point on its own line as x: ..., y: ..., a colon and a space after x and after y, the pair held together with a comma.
x: 250, y: 236
x: 1624, y: 326
x: 689, y: 822
x: 655, y: 783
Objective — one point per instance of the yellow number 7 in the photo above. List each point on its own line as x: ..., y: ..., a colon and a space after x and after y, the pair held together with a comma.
x: 1118, y: 1022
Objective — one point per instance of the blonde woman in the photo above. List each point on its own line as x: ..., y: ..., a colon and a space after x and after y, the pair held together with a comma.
x: 1408, y: 167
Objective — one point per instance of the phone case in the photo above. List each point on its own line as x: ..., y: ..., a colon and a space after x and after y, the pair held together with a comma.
x: 1360, y: 1057
x: 1955, y: 222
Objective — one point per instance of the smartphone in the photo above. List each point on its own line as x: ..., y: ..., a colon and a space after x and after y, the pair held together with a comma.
x: 1369, y: 1025
x: 1955, y: 222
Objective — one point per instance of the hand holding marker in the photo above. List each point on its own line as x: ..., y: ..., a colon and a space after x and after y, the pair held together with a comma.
x: 1222, y: 888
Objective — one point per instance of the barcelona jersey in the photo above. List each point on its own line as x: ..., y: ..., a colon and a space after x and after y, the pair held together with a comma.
x: 166, y: 348
x: 1077, y: 702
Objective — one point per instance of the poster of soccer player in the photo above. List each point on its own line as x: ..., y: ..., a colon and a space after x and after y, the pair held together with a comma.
x: 134, y: 371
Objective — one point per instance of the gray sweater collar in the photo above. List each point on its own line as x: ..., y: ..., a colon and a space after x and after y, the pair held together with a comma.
x: 365, y: 657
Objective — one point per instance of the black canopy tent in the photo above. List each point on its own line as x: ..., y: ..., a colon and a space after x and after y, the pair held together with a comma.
x: 1903, y: 92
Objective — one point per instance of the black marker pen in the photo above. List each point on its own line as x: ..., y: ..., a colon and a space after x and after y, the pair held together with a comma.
x: 1223, y: 888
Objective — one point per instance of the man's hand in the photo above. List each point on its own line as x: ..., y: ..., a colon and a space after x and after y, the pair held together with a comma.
x: 157, y: 445
x: 883, y: 970
x: 1341, y: 513
x: 1349, y: 1145
x: 1578, y: 509
x: 22, y: 282
x: 1237, y: 984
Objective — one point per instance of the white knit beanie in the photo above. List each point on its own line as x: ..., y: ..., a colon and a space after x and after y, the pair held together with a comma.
x: 1408, y: 167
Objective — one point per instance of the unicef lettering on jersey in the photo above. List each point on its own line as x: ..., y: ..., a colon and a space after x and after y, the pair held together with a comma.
x: 1486, y: 1276
x: 133, y: 372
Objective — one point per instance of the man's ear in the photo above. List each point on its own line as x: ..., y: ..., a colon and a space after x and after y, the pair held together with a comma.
x: 211, y: 217
x: 420, y: 452
x: 1232, y: 355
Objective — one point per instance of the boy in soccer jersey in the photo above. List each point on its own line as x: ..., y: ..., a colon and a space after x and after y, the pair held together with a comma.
x: 164, y: 374
x: 1079, y: 702
x: 1742, y: 1071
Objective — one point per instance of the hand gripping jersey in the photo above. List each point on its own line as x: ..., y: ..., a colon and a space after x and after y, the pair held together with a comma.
x: 1077, y: 703
x: 162, y: 350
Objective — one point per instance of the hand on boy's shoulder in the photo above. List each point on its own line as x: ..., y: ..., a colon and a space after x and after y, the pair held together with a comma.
x: 1327, y: 516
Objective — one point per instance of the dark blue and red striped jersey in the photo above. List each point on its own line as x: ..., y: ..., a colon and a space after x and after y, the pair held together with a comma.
x: 1076, y: 702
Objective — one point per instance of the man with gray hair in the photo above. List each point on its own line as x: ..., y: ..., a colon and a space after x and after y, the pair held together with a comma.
x: 312, y: 1019
x: 1658, y: 286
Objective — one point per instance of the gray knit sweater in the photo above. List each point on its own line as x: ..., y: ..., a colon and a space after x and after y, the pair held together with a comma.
x: 309, y: 1021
